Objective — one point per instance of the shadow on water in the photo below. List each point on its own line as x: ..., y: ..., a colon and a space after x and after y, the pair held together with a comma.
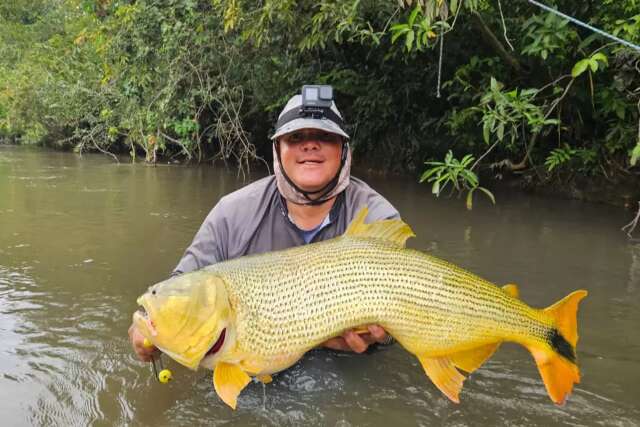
x: 80, y: 239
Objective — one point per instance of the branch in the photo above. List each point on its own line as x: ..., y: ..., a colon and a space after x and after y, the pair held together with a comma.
x: 493, y: 41
x: 632, y: 225
x: 523, y: 163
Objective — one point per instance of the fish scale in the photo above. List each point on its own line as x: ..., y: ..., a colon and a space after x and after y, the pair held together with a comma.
x: 309, y: 296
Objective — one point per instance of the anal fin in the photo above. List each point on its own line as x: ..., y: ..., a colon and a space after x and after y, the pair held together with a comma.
x: 444, y: 375
x: 228, y: 381
x: 470, y: 360
x: 512, y: 290
x: 265, y: 378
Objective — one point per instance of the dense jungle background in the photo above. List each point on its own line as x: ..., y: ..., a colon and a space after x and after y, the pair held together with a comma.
x: 474, y: 88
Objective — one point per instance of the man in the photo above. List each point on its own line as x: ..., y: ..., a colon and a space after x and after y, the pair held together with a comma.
x: 311, y: 197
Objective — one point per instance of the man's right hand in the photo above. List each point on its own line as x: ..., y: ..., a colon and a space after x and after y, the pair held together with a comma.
x: 145, y: 354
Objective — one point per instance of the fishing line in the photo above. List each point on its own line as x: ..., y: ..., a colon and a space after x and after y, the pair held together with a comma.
x: 585, y: 25
x: 440, y: 66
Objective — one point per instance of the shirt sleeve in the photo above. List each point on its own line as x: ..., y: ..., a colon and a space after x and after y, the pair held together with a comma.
x: 208, y: 245
x: 380, y: 208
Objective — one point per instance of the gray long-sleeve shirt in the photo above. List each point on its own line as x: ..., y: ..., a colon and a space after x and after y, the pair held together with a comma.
x: 254, y: 219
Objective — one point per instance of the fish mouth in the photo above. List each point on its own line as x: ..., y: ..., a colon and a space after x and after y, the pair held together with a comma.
x: 217, y: 345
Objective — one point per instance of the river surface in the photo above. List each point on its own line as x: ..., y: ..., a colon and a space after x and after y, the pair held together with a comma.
x: 81, y: 238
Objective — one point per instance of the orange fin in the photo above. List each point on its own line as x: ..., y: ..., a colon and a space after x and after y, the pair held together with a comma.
x: 444, y: 375
x: 565, y: 314
x: 559, y: 375
x: 390, y: 230
x: 265, y: 378
x: 229, y: 380
x: 512, y: 290
x: 470, y: 360
x: 557, y: 360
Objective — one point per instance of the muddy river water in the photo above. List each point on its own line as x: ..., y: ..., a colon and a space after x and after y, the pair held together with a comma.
x: 81, y: 238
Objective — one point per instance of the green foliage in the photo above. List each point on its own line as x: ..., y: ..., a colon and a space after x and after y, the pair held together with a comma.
x: 628, y: 28
x: 546, y: 34
x: 564, y: 156
x: 205, y: 79
x: 559, y: 156
x: 418, y: 31
x: 456, y: 172
x: 595, y: 61
x: 635, y: 154
x: 504, y: 112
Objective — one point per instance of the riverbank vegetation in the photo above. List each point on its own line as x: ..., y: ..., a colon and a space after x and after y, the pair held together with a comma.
x: 514, y: 88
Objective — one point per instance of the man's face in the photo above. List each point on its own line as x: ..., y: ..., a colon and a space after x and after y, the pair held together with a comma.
x: 310, y: 157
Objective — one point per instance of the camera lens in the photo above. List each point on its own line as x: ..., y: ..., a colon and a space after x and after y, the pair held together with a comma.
x: 326, y: 93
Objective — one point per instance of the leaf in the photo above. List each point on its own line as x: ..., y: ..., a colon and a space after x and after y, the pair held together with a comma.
x: 398, y: 27
x: 500, y: 131
x: 635, y: 154
x: 436, y: 170
x: 486, y: 132
x: 470, y: 199
x: 419, y: 42
x: 425, y: 175
x: 494, y: 84
x: 593, y: 65
x: 409, y: 42
x: 579, y: 68
x: 489, y: 194
x: 397, y: 34
x: 413, y: 15
x: 466, y: 160
x: 453, y: 5
x: 436, y: 188
x: 600, y: 57
x: 470, y: 177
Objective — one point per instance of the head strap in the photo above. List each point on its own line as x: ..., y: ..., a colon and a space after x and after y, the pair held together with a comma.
x: 315, y: 113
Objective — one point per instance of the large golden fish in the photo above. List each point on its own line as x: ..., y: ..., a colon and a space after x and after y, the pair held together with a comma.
x: 259, y: 314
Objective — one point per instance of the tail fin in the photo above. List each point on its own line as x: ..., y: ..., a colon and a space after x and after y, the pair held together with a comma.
x: 558, y: 367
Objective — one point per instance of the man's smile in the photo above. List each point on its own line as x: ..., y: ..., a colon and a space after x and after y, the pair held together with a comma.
x: 310, y: 161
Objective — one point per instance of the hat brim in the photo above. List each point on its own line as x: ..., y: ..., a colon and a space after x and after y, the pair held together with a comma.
x: 320, y: 124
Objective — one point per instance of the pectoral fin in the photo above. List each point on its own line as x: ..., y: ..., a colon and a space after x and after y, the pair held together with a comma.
x: 470, y: 360
x: 264, y: 379
x: 229, y: 380
x: 444, y: 375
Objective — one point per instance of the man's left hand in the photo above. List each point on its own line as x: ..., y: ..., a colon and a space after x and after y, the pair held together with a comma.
x: 358, y: 342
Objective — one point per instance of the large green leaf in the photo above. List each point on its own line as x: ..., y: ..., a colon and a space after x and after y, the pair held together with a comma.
x: 579, y: 68
x: 635, y: 154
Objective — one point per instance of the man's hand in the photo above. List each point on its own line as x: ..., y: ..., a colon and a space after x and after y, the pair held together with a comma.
x: 145, y: 354
x: 357, y: 342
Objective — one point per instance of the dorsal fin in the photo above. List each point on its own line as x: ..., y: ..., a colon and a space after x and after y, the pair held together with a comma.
x: 390, y: 230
